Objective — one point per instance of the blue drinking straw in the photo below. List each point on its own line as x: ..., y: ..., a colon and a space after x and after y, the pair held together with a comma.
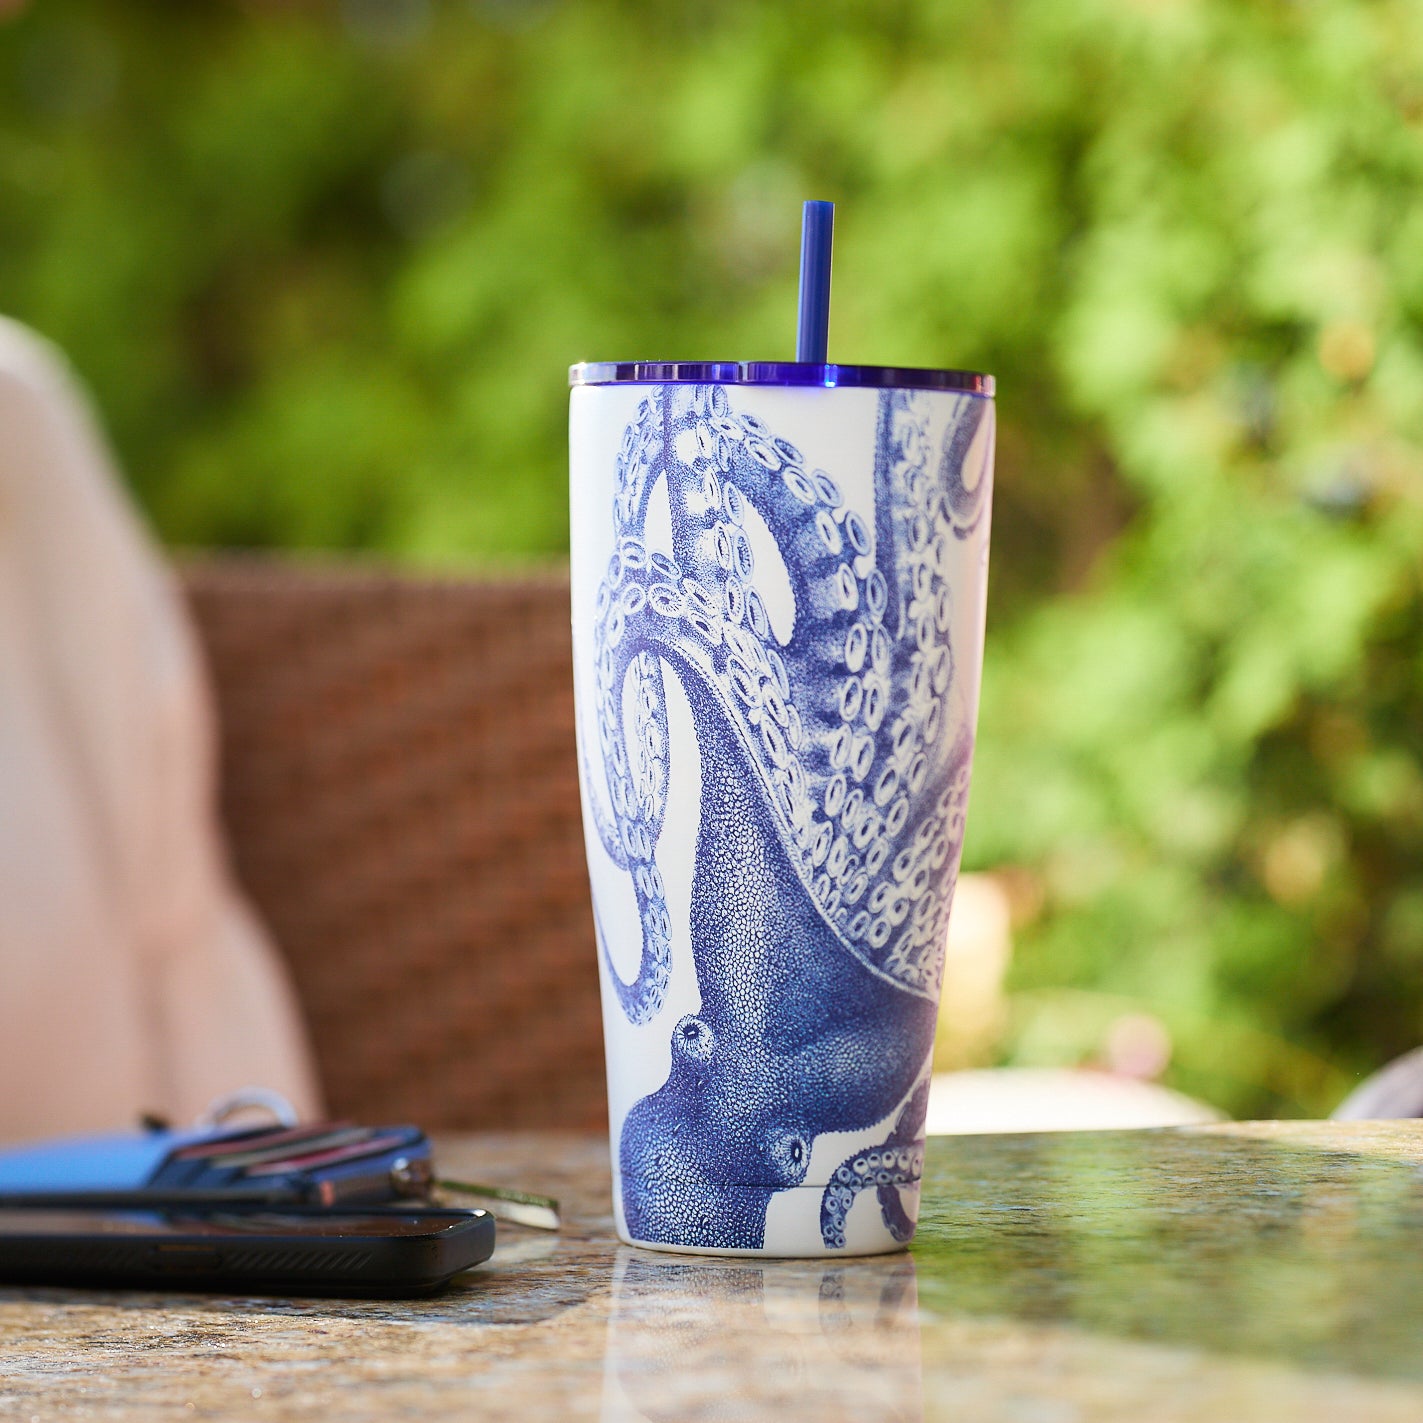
x: 813, y: 320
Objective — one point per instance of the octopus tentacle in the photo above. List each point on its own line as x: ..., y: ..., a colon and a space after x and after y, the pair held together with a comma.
x: 602, y: 823
x: 641, y: 997
x: 880, y: 1168
x: 965, y: 504
x: 634, y: 772
x: 898, y: 1161
x: 848, y: 721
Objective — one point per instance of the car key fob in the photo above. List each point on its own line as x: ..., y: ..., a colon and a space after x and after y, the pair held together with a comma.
x: 320, y: 1164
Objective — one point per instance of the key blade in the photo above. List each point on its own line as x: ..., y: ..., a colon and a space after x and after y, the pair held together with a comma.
x: 503, y: 1203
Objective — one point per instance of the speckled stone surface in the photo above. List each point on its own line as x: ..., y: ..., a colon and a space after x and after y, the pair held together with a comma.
x: 1253, y: 1271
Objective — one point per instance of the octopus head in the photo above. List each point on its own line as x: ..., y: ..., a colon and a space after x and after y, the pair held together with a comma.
x: 698, y: 1163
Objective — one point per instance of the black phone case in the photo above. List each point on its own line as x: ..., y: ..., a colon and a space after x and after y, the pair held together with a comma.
x: 280, y: 1262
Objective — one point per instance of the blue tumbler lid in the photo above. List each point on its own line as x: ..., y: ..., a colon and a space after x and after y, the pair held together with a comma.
x: 775, y: 373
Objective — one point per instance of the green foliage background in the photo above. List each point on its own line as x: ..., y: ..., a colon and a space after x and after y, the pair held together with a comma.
x: 325, y: 266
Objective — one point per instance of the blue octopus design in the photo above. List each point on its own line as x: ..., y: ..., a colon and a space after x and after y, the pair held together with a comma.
x: 834, y: 779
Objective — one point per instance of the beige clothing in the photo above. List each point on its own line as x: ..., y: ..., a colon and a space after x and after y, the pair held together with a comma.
x: 132, y: 976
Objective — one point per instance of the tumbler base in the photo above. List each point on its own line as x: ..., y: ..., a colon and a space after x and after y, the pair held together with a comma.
x: 792, y: 1229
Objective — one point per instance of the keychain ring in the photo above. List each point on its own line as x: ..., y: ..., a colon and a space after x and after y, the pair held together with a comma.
x: 247, y: 1099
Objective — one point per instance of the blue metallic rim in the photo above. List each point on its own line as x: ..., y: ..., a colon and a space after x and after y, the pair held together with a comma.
x: 775, y: 373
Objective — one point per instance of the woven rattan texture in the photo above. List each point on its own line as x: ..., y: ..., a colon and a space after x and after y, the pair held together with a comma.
x: 400, y: 791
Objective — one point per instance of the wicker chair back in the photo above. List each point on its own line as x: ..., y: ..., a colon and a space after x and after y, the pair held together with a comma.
x: 401, y: 797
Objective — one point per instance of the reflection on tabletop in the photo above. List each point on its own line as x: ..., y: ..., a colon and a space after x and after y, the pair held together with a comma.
x: 1295, y: 1242
x: 693, y: 1338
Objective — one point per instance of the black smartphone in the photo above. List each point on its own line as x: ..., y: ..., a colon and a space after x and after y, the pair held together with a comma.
x: 387, y: 1252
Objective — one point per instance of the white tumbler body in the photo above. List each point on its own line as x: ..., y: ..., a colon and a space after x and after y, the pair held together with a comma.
x: 778, y: 602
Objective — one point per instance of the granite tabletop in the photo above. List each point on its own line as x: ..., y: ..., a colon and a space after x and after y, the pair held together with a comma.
x: 1249, y: 1271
